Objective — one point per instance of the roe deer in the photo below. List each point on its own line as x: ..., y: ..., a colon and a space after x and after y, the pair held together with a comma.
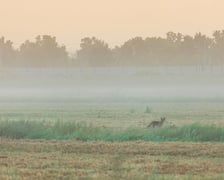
x: 157, y: 123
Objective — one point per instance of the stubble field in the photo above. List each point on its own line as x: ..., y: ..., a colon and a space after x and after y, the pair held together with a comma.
x: 28, y: 159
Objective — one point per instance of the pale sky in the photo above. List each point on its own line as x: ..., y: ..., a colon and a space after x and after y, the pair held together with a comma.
x: 114, y: 21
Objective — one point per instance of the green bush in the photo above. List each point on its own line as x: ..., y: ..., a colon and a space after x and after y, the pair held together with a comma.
x: 82, y: 131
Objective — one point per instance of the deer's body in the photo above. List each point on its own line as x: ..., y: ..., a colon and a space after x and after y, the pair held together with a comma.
x: 157, y: 123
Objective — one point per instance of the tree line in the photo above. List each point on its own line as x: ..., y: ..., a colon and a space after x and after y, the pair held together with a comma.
x: 173, y: 50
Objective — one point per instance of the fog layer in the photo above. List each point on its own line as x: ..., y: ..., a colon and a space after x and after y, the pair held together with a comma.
x: 151, y: 82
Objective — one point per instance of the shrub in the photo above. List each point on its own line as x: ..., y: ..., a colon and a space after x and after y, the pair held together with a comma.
x: 82, y: 131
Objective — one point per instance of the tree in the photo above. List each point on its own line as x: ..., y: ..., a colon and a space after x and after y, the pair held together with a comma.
x: 187, y: 51
x: 202, y: 46
x: 94, y: 52
x: 132, y: 52
x: 45, y: 51
x: 7, y: 52
x: 218, y: 47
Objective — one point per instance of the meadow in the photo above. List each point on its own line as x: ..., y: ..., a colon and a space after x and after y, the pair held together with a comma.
x: 109, y: 140
x: 116, y: 114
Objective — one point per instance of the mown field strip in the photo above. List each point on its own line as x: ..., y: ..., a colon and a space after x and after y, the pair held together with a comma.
x: 41, y: 159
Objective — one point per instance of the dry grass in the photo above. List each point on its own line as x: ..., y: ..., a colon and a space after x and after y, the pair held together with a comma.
x: 26, y: 159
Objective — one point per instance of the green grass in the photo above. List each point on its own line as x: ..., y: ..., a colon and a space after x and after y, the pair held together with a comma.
x: 116, y: 115
x: 71, y: 130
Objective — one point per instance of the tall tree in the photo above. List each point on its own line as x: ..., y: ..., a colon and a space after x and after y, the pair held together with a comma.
x: 45, y: 51
x: 218, y: 47
x: 7, y: 52
x: 202, y: 45
x: 94, y: 52
x: 132, y: 52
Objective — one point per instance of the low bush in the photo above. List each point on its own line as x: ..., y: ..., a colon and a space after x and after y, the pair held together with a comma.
x: 85, y: 132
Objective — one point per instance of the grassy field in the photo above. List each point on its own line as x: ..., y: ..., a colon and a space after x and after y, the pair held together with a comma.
x: 77, y: 159
x: 116, y: 114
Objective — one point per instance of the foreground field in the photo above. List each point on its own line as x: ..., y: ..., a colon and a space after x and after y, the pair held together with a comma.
x: 28, y: 159
x: 109, y: 123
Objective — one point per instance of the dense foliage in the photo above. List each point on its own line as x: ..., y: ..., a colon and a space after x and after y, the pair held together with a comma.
x: 175, y: 49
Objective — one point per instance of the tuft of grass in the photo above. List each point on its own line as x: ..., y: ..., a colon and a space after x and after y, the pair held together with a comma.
x: 132, y: 111
x: 148, y: 110
x: 87, y: 132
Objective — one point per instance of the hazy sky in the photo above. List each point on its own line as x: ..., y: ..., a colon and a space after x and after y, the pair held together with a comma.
x: 112, y: 20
